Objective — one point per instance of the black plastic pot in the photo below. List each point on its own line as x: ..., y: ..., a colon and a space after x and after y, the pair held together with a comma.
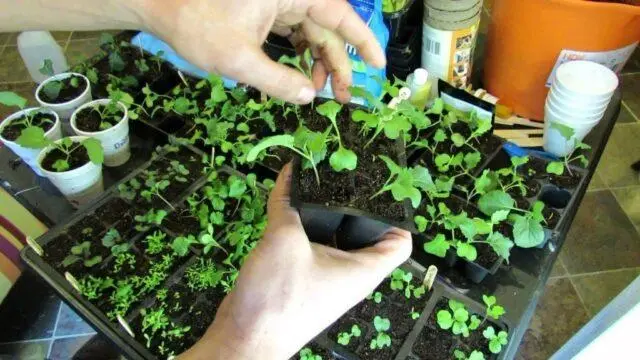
x: 320, y: 225
x: 396, y: 21
x: 476, y: 272
x: 357, y: 232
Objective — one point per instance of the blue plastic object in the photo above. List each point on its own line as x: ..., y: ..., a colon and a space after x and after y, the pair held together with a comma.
x: 370, y: 11
x: 154, y: 45
x: 515, y: 150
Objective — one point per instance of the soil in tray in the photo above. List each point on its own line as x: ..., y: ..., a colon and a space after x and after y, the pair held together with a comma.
x: 552, y: 217
x: 344, y: 324
x: 179, y: 299
x: 532, y: 189
x: 201, y: 316
x: 89, y: 120
x: 534, y: 169
x: 76, y: 159
x: 433, y: 344
x: 354, y: 188
x: 113, y: 210
x: 44, y: 121
x: 181, y: 222
x: 567, y: 181
x: 67, y: 92
x: 126, y: 225
x: 486, y: 256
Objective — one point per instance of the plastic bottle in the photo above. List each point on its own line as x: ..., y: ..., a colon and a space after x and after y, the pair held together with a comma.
x: 37, y: 46
x: 420, y: 87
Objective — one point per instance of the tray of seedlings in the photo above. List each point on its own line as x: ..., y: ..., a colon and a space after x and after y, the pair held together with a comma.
x: 409, y: 316
x: 149, y: 262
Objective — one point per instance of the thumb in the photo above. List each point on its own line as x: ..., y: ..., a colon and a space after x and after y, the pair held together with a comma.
x: 393, y: 249
x: 279, y: 210
x: 252, y: 66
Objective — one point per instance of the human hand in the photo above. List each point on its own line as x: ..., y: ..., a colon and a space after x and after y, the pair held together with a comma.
x: 225, y: 37
x: 290, y: 289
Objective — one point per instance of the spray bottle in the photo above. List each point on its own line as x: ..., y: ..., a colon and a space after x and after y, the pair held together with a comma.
x: 420, y: 87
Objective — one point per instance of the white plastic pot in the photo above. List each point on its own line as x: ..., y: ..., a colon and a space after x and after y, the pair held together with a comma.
x: 115, y: 140
x: 578, y: 99
x: 79, y: 185
x: 587, y: 78
x: 29, y: 155
x: 557, y: 144
x: 573, y: 116
x: 577, y: 103
x: 65, y: 110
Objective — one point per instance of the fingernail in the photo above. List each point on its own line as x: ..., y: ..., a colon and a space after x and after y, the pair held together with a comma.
x: 306, y: 95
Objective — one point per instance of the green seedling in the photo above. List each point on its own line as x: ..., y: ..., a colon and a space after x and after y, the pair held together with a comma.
x: 559, y: 167
x: 496, y: 341
x: 12, y: 99
x: 203, y: 275
x: 406, y: 183
x: 344, y: 338
x: 414, y: 314
x: 82, y: 253
x: 108, y: 42
x: 109, y: 114
x: 342, y: 159
x: 376, y: 297
x: 493, y: 310
x: 151, y: 217
x: 474, y: 355
x: 155, y: 189
x: 122, y: 261
x: 457, y: 319
x: 382, y: 339
x: 302, y: 63
x: 115, y: 242
x: 155, y: 243
x: 307, y: 354
x: 94, y: 287
x: 527, y: 226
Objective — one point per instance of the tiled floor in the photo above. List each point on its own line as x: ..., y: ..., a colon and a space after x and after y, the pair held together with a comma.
x: 601, y: 255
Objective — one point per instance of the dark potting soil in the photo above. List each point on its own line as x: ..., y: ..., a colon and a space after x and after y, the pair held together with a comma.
x: 532, y: 189
x: 488, y: 144
x: 44, y: 121
x: 126, y: 225
x: 113, y: 210
x: 57, y: 249
x: 89, y: 120
x: 433, y: 344
x: 89, y: 225
x: 181, y: 222
x: 76, y: 159
x: 179, y: 299
x: 353, y: 189
x: 551, y: 216
x: 534, y: 169
x: 566, y: 180
x: 522, y: 203
x: 486, y: 256
x: 344, y: 324
x: 201, y: 316
x: 67, y: 92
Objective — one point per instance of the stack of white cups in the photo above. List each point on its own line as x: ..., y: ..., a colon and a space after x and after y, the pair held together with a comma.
x: 578, y: 98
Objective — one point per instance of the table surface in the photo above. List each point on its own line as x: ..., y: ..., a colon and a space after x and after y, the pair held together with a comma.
x: 518, y: 285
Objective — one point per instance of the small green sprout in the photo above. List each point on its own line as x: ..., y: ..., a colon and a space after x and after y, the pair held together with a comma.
x: 496, y: 341
x: 475, y: 355
x: 382, y: 339
x: 457, y: 319
x: 307, y: 354
x: 345, y: 337
x: 81, y: 252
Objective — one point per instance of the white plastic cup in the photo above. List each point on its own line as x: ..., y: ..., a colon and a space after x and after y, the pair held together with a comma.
x: 79, y: 185
x: 29, y: 155
x: 586, y: 78
x: 577, y: 103
x: 65, y: 110
x: 574, y: 115
x: 555, y: 142
x: 115, y: 140
x: 579, y: 99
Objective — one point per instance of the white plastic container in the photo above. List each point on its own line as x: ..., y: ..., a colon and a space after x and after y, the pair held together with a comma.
x: 29, y: 155
x: 577, y: 102
x: 37, y: 46
x: 66, y: 109
x: 79, y: 185
x: 586, y: 78
x: 115, y: 140
x: 555, y: 142
x: 574, y: 115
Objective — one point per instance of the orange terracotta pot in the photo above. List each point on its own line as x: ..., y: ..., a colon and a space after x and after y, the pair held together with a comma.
x: 526, y: 37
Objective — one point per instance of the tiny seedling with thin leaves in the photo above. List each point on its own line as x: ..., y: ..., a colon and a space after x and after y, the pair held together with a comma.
x: 53, y: 87
x: 474, y: 355
x: 405, y: 183
x: 496, y: 340
x: 11, y: 99
x: 308, y: 354
x: 115, y: 242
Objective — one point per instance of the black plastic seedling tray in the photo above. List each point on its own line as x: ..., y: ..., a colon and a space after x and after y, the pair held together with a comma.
x: 130, y: 347
x: 362, y: 316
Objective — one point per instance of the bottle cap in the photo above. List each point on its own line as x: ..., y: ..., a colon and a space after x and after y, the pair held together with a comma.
x: 420, y: 76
